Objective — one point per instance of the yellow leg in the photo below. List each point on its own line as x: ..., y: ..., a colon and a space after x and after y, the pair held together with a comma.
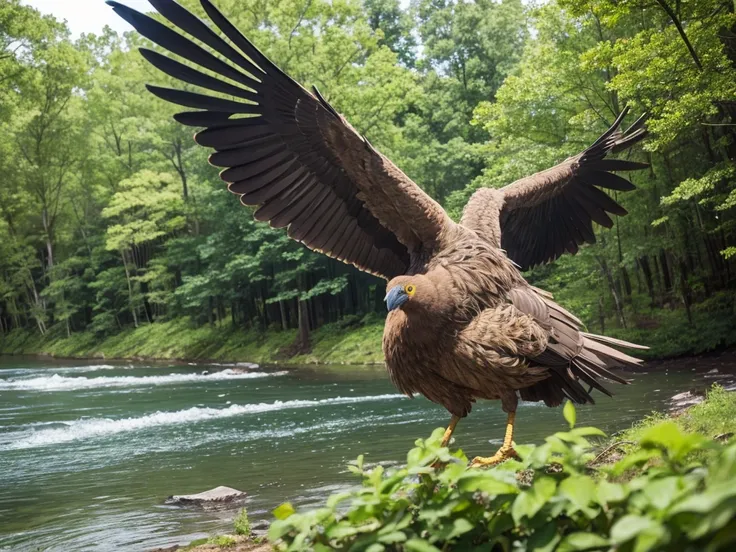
x: 446, y: 438
x: 505, y: 452
x: 449, y: 431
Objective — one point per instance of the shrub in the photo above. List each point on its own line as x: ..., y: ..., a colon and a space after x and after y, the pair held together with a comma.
x: 223, y: 541
x: 659, y: 497
x: 242, y: 523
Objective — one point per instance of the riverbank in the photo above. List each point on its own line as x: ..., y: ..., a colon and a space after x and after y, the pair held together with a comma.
x: 346, y: 342
x: 668, y: 334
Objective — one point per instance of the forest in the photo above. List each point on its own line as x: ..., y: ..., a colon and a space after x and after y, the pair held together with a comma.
x: 111, y: 218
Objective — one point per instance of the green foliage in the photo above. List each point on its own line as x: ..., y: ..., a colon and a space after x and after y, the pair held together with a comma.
x: 223, y: 541
x: 111, y: 218
x: 552, y: 500
x: 241, y: 523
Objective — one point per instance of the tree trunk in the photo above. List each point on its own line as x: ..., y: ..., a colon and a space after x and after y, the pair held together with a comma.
x: 612, y: 285
x: 49, y: 240
x: 647, y: 271
x: 303, y: 326
x: 146, y: 305
x: 627, y: 282
x: 284, y: 316
x: 665, y: 266
x: 131, y: 302
x: 686, y: 291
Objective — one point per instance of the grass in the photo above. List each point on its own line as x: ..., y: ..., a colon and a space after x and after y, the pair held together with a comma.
x: 179, y: 339
x: 714, y: 418
x: 224, y: 541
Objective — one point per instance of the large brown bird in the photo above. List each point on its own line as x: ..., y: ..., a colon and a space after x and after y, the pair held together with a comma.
x: 463, y: 324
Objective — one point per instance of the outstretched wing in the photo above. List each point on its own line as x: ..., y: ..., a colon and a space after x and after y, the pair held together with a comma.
x: 538, y: 218
x: 287, y: 150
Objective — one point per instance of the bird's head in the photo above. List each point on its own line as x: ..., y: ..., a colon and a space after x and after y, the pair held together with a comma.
x: 409, y: 292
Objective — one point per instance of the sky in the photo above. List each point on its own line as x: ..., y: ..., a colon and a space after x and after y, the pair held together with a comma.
x: 91, y: 16
x: 87, y: 16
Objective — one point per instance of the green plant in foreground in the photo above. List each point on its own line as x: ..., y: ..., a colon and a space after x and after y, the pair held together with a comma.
x: 224, y: 541
x: 241, y: 523
x: 657, y: 498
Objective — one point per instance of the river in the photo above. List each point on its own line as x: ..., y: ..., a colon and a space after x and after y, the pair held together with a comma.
x: 90, y: 450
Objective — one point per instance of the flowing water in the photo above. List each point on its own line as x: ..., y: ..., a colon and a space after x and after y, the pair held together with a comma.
x: 89, y: 452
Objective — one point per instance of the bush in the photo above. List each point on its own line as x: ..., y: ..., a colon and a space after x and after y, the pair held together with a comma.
x: 659, y: 497
x: 223, y: 541
x: 242, y: 523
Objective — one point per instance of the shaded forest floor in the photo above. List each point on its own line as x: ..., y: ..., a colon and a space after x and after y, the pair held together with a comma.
x: 352, y: 340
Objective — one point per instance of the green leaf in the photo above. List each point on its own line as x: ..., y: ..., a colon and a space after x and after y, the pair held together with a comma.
x: 500, y: 523
x: 459, y: 527
x: 582, y: 541
x: 342, y: 530
x: 283, y: 511
x: 581, y: 492
x: 420, y: 545
x: 278, y: 529
x: 569, y: 413
x: 544, y: 539
x: 662, y: 492
x: 669, y: 438
x: 486, y: 481
x: 633, y: 460
x: 608, y: 492
x: 708, y: 511
x: 633, y: 526
x: 529, y: 502
x: 393, y: 537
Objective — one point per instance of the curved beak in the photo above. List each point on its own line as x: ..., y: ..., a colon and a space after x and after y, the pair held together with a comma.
x: 396, y: 297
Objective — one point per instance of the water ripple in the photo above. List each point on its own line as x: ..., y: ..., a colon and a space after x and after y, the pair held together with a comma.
x: 101, y: 427
x: 64, y: 383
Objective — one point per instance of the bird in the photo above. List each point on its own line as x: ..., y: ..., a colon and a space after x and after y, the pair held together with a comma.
x: 463, y: 324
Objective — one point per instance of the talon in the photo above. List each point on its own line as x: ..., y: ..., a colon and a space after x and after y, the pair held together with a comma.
x: 503, y: 454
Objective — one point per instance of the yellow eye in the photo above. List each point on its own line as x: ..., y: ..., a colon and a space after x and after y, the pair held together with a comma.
x: 410, y: 289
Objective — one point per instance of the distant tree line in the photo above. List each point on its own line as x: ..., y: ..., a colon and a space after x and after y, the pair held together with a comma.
x: 110, y: 216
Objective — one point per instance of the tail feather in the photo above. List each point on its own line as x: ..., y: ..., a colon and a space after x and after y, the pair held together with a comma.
x: 611, y: 356
x: 574, y: 357
x: 614, y: 341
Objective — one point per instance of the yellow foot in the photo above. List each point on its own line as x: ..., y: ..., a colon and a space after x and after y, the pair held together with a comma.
x: 503, y: 454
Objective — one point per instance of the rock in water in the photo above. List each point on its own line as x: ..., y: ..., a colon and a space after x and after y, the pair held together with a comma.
x: 682, y: 401
x: 219, y: 497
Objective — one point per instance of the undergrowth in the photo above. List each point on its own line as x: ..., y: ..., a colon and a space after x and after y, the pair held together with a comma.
x: 179, y: 339
x: 674, y: 491
x: 241, y: 523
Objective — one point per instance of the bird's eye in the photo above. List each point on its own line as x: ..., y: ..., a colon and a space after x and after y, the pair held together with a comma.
x: 410, y: 289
